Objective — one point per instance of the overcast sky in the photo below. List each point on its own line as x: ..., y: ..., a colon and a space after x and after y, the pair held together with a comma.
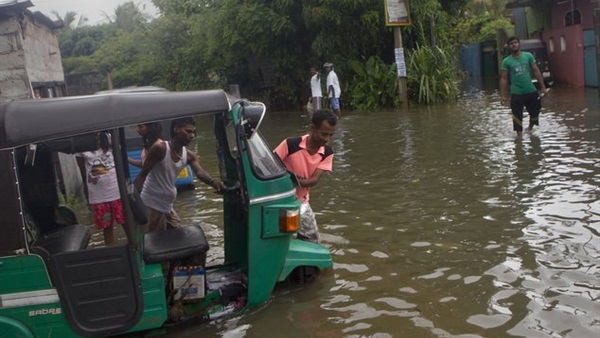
x: 92, y: 9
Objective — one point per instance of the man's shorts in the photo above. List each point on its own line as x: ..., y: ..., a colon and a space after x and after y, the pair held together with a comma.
x: 108, y: 213
x: 308, y: 225
x: 335, y: 103
x: 158, y: 221
x: 316, y: 102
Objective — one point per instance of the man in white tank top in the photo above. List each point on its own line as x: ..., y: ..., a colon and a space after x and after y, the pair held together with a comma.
x: 159, y: 171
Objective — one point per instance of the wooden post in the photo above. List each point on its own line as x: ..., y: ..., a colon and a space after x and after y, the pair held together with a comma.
x: 109, y: 79
x: 402, y: 89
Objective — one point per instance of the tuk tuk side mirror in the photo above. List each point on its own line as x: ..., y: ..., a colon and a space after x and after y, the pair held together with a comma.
x: 252, y: 115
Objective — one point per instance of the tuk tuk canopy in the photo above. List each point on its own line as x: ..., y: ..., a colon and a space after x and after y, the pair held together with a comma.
x: 31, y: 121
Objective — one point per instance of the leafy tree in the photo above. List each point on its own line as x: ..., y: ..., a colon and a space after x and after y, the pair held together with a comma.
x: 480, y: 7
x: 479, y: 21
x: 179, y: 52
x: 128, y: 17
x: 79, y: 64
x: 185, y: 8
x: 455, y: 7
x: 480, y: 27
x: 127, y: 61
x: 85, y: 40
x: 70, y: 18
x: 281, y: 39
x: 98, y: 42
x: 266, y: 46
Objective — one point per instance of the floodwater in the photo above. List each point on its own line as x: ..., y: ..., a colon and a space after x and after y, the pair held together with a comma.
x: 441, y: 224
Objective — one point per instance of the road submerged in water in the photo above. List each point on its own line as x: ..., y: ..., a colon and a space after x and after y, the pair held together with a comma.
x: 441, y: 224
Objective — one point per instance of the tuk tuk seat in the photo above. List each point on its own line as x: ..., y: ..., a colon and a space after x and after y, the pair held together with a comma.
x: 174, y: 244
x: 67, y: 238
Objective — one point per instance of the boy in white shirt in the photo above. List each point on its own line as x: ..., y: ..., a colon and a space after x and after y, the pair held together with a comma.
x: 315, y: 88
x: 334, y: 90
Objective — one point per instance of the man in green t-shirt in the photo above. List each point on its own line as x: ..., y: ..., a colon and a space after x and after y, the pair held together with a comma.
x: 519, y: 66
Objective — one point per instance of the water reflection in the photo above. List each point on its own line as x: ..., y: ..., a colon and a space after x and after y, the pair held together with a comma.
x: 442, y: 224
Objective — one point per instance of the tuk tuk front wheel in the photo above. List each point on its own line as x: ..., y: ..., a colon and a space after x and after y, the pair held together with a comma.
x: 303, y: 274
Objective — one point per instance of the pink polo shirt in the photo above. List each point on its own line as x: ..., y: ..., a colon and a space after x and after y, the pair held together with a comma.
x: 303, y: 164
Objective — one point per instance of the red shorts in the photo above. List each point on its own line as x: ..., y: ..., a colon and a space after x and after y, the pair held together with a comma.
x: 105, y: 214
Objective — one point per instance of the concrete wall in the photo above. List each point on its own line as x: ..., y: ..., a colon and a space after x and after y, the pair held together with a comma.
x: 42, y: 58
x: 84, y: 83
x: 567, y: 64
x: 585, y: 8
x: 14, y: 82
x: 30, y: 56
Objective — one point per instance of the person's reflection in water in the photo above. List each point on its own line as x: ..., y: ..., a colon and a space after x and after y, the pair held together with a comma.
x: 536, y: 145
x: 528, y: 161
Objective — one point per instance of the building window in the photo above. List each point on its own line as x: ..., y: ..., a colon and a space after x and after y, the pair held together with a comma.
x: 551, y: 45
x: 572, y: 18
x: 563, y: 44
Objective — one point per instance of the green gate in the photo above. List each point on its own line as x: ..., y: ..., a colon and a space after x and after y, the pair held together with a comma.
x: 589, y: 58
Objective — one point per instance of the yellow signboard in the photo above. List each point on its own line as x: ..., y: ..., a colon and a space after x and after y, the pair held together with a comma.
x: 396, y: 13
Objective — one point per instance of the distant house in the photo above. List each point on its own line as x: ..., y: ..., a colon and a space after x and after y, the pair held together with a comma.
x: 31, y: 67
x: 31, y: 64
x: 567, y: 28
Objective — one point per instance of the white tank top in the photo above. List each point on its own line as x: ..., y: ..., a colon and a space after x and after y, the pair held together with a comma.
x: 159, y: 190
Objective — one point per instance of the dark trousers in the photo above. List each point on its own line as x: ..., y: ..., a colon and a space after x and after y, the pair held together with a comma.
x: 530, y: 101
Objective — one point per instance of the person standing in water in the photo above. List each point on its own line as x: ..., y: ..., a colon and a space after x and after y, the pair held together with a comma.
x: 315, y: 89
x: 518, y: 67
x: 98, y: 169
x: 308, y: 157
x: 159, y: 172
x: 150, y: 133
x: 334, y: 91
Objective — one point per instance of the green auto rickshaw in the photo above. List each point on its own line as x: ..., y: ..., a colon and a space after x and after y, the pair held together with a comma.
x: 54, y: 285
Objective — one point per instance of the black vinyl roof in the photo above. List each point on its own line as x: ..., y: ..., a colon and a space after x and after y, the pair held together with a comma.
x: 30, y: 121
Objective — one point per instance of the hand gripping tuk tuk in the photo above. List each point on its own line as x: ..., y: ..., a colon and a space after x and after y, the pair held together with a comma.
x: 54, y: 285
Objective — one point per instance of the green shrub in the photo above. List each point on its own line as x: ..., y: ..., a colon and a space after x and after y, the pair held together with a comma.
x: 374, y: 84
x: 432, y: 75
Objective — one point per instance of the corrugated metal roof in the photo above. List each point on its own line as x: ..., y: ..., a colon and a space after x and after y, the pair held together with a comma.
x: 16, y: 3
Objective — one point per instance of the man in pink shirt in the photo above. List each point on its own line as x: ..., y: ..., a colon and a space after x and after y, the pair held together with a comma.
x: 308, y: 157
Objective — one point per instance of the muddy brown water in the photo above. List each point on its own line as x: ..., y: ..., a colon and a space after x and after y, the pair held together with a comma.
x: 441, y: 224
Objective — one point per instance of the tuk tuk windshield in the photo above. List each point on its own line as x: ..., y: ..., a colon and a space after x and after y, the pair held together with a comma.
x: 264, y: 163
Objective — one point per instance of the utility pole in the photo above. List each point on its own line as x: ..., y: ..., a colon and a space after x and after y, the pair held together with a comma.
x: 397, y: 15
x: 401, y: 65
x: 109, y: 77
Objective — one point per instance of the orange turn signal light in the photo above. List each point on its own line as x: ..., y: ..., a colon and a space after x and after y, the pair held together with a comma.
x: 289, y: 220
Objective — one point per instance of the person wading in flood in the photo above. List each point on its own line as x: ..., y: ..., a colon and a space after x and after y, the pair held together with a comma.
x: 519, y: 66
x: 159, y: 172
x: 315, y: 89
x: 308, y: 157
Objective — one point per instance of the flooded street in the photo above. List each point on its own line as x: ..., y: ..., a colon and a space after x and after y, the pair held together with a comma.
x: 441, y: 224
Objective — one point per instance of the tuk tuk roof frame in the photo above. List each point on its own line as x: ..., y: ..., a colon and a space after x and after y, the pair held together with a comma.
x: 32, y: 121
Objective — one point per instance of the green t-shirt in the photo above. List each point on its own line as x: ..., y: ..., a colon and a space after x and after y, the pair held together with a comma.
x: 520, y: 73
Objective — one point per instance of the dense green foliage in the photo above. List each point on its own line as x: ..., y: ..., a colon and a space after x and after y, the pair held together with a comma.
x: 374, y: 85
x: 435, y: 80
x: 480, y: 28
x: 267, y: 48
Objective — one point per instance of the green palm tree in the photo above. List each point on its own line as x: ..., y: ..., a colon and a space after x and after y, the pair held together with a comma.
x: 70, y: 18
x: 128, y: 17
